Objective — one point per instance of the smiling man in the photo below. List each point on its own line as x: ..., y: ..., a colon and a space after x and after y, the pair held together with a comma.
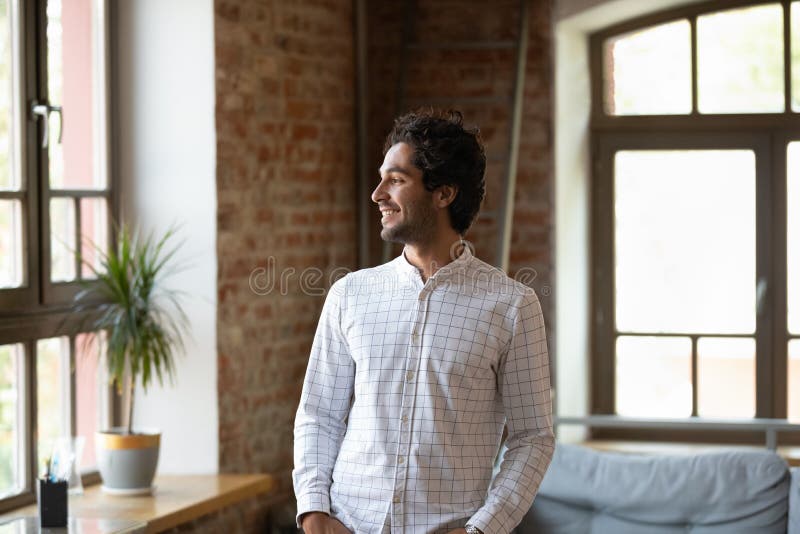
x: 418, y: 364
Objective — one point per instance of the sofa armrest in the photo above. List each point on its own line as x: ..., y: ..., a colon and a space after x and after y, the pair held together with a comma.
x: 794, y: 501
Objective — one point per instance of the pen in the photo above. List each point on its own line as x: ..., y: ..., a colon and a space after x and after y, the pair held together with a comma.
x: 54, y: 468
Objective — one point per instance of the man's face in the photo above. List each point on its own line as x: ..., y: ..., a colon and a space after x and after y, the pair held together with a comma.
x: 407, y: 208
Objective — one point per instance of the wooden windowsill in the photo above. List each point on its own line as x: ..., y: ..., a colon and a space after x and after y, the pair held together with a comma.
x: 789, y: 453
x: 177, y: 499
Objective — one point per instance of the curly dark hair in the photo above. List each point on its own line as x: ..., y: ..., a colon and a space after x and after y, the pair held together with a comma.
x: 447, y: 153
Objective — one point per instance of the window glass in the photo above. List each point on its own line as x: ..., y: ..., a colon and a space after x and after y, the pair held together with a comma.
x: 649, y: 72
x: 9, y: 176
x: 62, y: 239
x: 795, y: 38
x: 793, y: 235
x: 794, y: 380
x: 684, y: 253
x: 726, y: 377
x: 74, y: 72
x: 11, y: 427
x: 740, y: 60
x: 90, y: 395
x: 52, y: 394
x: 94, y: 233
x: 11, y: 250
x: 654, y: 376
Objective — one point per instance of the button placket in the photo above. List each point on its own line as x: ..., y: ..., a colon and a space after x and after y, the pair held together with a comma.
x: 407, y: 406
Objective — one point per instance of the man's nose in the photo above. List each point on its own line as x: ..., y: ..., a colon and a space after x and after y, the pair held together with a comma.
x: 379, y: 194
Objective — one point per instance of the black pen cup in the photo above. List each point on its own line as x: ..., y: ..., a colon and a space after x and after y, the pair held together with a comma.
x: 52, y: 503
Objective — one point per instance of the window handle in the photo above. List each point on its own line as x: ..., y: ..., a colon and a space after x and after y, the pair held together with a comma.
x: 40, y: 110
x: 761, y: 296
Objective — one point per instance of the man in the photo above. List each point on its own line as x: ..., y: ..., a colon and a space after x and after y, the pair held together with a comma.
x: 419, y: 363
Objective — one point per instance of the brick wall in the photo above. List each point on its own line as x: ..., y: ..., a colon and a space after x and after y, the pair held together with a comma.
x: 249, y: 516
x: 286, y: 190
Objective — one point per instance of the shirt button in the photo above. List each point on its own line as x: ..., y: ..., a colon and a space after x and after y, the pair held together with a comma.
x: 410, y: 376
x: 400, y: 460
x: 396, y: 499
x: 404, y: 419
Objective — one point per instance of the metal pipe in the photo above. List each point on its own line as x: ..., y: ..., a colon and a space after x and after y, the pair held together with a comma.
x: 770, y: 427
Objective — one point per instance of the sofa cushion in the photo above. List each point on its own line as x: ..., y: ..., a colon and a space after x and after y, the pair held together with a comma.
x: 586, y: 491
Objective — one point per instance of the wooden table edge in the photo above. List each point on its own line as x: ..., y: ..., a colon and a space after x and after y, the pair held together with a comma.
x: 264, y: 483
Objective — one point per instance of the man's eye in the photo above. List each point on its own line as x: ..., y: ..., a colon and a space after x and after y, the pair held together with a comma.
x: 395, y: 180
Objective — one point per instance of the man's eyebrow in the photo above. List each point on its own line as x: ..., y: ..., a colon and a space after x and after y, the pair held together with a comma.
x: 401, y: 170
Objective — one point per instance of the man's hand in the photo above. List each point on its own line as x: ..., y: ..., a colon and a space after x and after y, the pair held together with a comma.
x: 458, y: 531
x: 322, y: 523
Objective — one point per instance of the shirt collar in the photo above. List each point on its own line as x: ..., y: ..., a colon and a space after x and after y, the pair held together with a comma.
x: 404, y: 267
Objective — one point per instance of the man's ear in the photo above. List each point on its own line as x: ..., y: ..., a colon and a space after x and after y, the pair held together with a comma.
x: 445, y: 195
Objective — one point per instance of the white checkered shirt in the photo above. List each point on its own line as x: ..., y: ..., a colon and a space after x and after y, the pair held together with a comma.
x: 405, y: 397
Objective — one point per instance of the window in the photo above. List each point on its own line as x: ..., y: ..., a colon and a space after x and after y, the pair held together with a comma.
x: 57, y: 200
x: 793, y: 246
x: 696, y: 215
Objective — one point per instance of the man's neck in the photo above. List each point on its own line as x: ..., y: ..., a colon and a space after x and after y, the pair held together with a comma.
x: 430, y: 257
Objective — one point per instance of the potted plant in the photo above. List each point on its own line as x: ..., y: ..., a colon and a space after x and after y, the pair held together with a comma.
x: 145, y: 325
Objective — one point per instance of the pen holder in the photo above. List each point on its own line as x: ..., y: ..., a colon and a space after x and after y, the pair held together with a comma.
x: 52, y: 503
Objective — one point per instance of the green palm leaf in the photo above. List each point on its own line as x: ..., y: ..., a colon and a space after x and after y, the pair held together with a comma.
x: 145, y: 322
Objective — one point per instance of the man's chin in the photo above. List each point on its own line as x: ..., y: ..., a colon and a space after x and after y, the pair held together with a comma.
x: 391, y: 236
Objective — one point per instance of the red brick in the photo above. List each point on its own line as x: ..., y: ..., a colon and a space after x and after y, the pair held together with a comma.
x: 304, y: 131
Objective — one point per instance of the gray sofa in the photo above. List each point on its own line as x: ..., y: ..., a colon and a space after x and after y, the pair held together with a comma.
x: 729, y: 491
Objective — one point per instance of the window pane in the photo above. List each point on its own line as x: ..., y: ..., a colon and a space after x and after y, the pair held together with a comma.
x: 55, y: 92
x: 726, y: 373
x: 680, y: 246
x: 649, y: 72
x: 11, y: 429
x: 62, y: 239
x: 740, y: 60
x: 795, y: 38
x: 11, y: 266
x: 654, y: 376
x: 9, y: 176
x: 73, y: 77
x: 794, y: 380
x: 90, y: 395
x: 793, y: 234
x: 94, y: 231
x: 52, y: 394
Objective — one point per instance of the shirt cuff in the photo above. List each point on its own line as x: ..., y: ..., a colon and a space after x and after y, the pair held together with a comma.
x: 312, y: 502
x: 486, y: 522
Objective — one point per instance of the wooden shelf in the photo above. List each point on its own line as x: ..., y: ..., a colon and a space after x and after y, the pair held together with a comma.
x: 177, y: 499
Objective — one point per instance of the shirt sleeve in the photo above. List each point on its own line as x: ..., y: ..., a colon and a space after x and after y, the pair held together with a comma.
x: 524, y: 385
x: 324, y: 406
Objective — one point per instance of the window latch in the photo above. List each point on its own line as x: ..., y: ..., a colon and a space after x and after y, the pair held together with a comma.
x: 43, y: 110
